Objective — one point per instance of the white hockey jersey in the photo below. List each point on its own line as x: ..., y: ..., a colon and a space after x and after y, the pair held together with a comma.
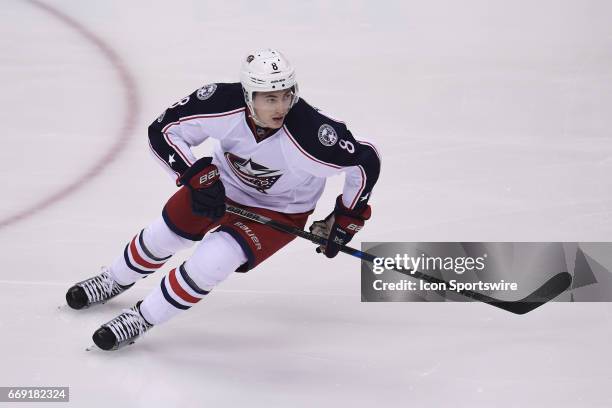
x: 284, y: 172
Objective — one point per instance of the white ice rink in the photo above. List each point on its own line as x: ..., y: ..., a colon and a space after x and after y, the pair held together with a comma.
x: 494, y: 122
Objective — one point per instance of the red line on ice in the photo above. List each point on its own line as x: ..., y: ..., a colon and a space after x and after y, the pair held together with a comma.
x: 127, y: 126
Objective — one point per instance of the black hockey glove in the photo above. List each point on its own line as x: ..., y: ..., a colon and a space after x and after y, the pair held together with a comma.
x: 207, y: 190
x: 339, y: 227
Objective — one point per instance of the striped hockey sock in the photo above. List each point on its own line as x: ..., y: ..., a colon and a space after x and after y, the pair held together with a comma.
x: 137, y: 262
x: 176, y: 292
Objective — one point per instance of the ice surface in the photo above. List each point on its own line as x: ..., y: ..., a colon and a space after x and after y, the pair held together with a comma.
x: 493, y: 120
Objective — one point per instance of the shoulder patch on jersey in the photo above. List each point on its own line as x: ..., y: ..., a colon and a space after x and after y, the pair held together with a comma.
x: 315, y: 133
x: 206, y: 91
x: 209, y: 99
x: 327, y: 135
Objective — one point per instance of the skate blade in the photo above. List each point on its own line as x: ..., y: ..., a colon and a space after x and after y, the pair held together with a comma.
x: 93, y: 347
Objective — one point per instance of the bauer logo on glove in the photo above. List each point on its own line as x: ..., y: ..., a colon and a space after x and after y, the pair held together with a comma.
x: 207, y: 191
x: 339, y: 227
x: 207, y: 179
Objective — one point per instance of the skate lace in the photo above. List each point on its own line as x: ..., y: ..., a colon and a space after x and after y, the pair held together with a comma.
x: 100, y: 287
x: 127, y: 325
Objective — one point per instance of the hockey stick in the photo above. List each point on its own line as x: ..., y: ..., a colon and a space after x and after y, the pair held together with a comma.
x: 548, y: 291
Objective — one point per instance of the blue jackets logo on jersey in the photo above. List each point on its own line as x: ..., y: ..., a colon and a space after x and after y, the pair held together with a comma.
x: 206, y: 91
x: 327, y: 135
x: 252, y: 174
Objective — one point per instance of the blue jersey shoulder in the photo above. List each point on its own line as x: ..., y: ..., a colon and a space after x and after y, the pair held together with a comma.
x: 319, y: 135
x: 207, y: 100
x: 216, y: 98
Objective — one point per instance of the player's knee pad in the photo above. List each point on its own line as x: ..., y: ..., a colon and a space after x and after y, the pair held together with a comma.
x: 217, y: 256
x: 161, y: 241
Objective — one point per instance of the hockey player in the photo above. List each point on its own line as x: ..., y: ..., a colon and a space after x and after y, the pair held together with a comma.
x: 273, y: 156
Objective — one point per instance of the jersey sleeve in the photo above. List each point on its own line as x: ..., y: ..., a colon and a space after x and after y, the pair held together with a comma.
x: 326, y: 147
x: 361, y: 174
x: 179, y: 128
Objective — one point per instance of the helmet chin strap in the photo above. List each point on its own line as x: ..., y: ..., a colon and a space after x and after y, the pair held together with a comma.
x: 254, y: 117
x: 257, y: 121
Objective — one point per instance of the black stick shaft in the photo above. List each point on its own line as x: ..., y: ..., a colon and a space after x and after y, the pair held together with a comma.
x: 552, y: 288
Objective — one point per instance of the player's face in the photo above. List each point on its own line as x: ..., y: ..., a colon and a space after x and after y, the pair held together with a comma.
x: 272, y: 107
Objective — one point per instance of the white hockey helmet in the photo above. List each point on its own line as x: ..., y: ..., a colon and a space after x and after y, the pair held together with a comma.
x: 264, y: 71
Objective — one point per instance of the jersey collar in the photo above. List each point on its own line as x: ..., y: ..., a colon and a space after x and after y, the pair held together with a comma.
x: 259, y: 133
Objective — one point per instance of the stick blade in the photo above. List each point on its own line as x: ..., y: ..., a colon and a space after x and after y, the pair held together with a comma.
x: 545, y: 293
